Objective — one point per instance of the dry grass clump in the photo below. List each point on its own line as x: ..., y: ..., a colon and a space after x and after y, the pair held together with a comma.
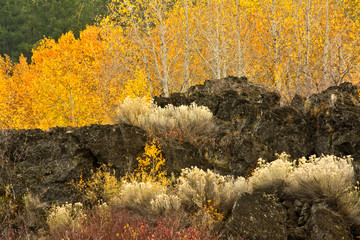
x: 138, y: 195
x: 328, y: 179
x: 316, y: 179
x: 164, y: 203
x: 184, y: 123
x: 349, y: 204
x: 271, y: 177
x: 197, y: 187
x: 130, y: 109
x: 65, y: 216
x: 192, y: 121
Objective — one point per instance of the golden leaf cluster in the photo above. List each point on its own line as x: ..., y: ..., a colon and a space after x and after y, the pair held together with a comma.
x: 143, y: 48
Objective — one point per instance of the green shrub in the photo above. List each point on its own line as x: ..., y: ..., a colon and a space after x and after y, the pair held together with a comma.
x: 197, y: 187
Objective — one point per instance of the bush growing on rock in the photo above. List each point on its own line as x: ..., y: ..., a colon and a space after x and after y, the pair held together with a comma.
x: 102, y: 186
x: 328, y: 179
x: 325, y: 177
x: 184, y: 123
x: 138, y: 195
x: 150, y: 166
x: 130, y: 109
x: 350, y: 204
x: 196, y: 187
x: 65, y: 216
x: 271, y: 177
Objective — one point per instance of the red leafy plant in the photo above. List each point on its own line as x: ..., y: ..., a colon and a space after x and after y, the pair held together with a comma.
x: 116, y: 222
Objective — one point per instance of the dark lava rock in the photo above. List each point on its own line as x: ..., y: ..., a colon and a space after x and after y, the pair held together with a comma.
x: 45, y: 162
x: 335, y: 114
x: 250, y: 121
x: 256, y: 216
x: 327, y: 224
x: 252, y: 124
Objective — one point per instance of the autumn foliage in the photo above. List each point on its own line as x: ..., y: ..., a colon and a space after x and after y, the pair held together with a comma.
x: 144, y: 48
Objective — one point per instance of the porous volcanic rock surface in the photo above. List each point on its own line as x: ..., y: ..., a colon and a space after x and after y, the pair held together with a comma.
x: 47, y: 162
x: 253, y: 124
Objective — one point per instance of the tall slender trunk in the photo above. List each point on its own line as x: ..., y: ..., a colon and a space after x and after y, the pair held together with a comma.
x: 326, y: 49
x: 187, y: 47
x: 307, y: 42
x: 240, y: 63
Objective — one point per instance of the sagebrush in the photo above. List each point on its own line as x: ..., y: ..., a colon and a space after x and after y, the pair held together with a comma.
x: 184, y: 123
x: 327, y: 179
x: 197, y: 187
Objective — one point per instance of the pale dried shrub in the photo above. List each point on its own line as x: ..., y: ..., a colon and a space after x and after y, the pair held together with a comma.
x: 164, y: 203
x: 328, y: 179
x: 197, y: 187
x: 271, y: 177
x: 138, y: 195
x: 192, y: 120
x: 129, y: 110
x: 65, y: 216
x: 324, y: 178
x: 349, y: 204
x: 188, y: 122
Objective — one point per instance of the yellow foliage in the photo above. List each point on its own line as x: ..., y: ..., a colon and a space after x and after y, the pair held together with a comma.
x: 101, y: 186
x: 208, y: 216
x: 213, y: 212
x: 137, y: 87
x: 150, y: 166
x: 15, y: 94
x: 67, y: 81
x: 142, y: 48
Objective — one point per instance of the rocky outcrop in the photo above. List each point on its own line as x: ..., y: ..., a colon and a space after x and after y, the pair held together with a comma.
x: 265, y: 216
x: 307, y: 220
x: 50, y: 163
x: 253, y: 124
x: 327, y: 224
x: 257, y: 216
x: 46, y: 162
